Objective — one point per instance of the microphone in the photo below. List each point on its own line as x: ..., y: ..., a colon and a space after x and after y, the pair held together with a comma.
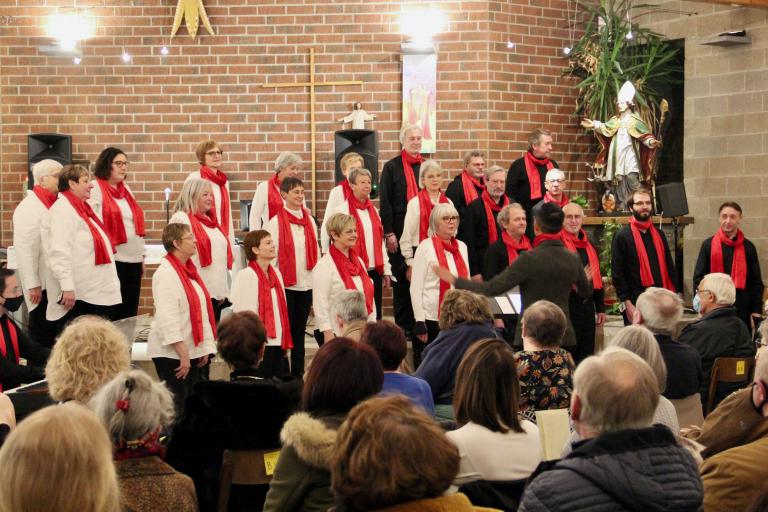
x: 167, y: 204
x: 167, y: 194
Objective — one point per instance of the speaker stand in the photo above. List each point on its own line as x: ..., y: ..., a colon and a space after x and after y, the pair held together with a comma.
x: 679, y: 274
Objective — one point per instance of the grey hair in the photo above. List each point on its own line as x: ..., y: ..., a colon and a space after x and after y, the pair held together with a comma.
x: 535, y: 136
x: 191, y: 191
x: 617, y: 391
x: 469, y: 155
x: 503, y: 216
x: 356, y: 173
x: 428, y: 165
x: 149, y: 406
x: 721, y: 286
x: 349, y: 305
x: 285, y: 159
x: 438, y: 212
x: 661, y: 310
x: 44, y: 168
x: 490, y: 171
x: 406, y: 129
x: 639, y: 340
x: 552, y: 172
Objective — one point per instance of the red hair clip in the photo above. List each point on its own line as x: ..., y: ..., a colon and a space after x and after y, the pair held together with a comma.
x: 123, y: 405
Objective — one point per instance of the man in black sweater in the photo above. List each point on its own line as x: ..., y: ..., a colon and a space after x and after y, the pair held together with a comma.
x: 467, y: 186
x: 481, y: 224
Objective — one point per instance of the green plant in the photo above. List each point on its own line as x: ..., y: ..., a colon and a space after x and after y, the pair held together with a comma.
x: 606, y: 241
x: 581, y: 201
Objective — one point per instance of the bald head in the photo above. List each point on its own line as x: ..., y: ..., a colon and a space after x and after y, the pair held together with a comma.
x: 660, y: 310
x: 574, y: 218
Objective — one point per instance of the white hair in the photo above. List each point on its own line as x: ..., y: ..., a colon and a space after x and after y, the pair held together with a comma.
x: 721, y: 286
x: 440, y: 210
x: 45, y: 168
x: 552, y: 173
x: 356, y: 173
x: 490, y: 171
x: 349, y: 305
x: 660, y: 309
x: 407, y: 129
x: 285, y: 159
x: 428, y: 165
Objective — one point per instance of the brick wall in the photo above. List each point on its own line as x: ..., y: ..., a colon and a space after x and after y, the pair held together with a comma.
x: 157, y: 108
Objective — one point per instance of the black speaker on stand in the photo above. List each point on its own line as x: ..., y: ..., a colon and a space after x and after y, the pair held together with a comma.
x: 42, y: 146
x: 673, y: 203
x: 364, y: 143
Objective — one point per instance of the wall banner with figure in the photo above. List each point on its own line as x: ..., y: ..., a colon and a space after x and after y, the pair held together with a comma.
x: 420, y: 96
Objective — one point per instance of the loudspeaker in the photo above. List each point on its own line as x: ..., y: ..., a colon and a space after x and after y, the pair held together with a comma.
x: 364, y: 143
x: 672, y: 200
x: 54, y: 146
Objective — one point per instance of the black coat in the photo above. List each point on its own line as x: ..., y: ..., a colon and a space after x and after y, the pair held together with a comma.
x: 13, y: 374
x: 455, y: 192
x: 625, y: 263
x: 720, y: 333
x: 496, y: 259
x: 476, y: 234
x: 748, y: 300
x: 684, y: 374
x: 519, y: 188
x: 583, y: 315
x: 393, y: 195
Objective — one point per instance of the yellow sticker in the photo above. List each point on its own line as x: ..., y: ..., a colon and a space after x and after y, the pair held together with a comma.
x: 270, y: 461
x: 741, y: 367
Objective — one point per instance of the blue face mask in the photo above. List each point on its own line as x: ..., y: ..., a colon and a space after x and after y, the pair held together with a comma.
x: 697, y: 303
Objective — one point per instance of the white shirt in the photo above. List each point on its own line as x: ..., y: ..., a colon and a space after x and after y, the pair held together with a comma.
x: 245, y: 297
x: 410, y: 237
x: 335, y: 198
x: 230, y: 230
x: 365, y: 220
x: 216, y: 275
x: 132, y: 251
x: 303, y: 276
x: 488, y: 455
x: 31, y: 264
x: 171, y: 322
x: 425, y: 285
x: 69, y: 249
x: 327, y: 284
x: 259, y: 215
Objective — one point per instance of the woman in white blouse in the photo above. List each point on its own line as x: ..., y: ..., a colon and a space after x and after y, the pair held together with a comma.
x: 370, y: 240
x: 339, y: 194
x: 267, y: 199
x: 416, y: 224
x: 426, y: 288
x: 79, y: 252
x: 123, y: 219
x: 181, y: 339
x: 294, y: 233
x: 214, y: 252
x: 259, y: 288
x: 339, y: 269
x: 211, y: 158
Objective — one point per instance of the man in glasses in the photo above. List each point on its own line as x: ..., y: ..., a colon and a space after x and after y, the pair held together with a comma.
x: 482, y: 228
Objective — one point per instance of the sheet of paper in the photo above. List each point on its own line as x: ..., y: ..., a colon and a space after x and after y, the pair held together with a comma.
x: 554, y: 430
x: 516, y: 299
x: 505, y: 305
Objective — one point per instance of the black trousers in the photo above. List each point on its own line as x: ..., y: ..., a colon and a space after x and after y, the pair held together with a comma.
x: 274, y: 363
x: 582, y: 313
x: 433, y: 329
x: 377, y: 291
x: 82, y: 308
x: 42, y: 330
x: 129, y: 275
x: 218, y: 307
x: 299, y: 303
x: 401, y: 293
x: 166, y: 371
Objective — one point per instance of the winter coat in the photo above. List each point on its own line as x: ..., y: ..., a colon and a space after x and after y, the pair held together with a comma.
x: 733, y: 478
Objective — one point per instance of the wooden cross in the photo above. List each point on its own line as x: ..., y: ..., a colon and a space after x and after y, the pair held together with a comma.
x: 312, y: 84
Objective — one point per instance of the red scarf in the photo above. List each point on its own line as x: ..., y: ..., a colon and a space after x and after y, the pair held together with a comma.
x: 274, y: 199
x: 739, y: 265
x: 351, y: 266
x: 113, y: 217
x: 188, y: 273
x: 410, y: 179
x: 646, y: 276
x: 286, y: 252
x: 378, y: 232
x: 513, y: 248
x: 425, y: 209
x: 534, y: 178
x: 220, y: 179
x: 441, y: 246
x: 491, y: 209
x: 197, y: 221
x: 470, y: 184
x: 561, y: 236
x: 267, y: 281
x: 45, y: 196
x: 85, y: 212
x: 345, y: 188
x: 14, y: 342
x: 562, y: 202
x: 581, y: 241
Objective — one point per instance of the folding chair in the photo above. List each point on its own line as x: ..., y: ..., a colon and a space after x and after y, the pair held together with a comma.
x: 728, y: 369
x: 241, y: 467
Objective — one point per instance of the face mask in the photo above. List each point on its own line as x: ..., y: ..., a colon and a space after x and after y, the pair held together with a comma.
x: 697, y: 303
x: 13, y: 304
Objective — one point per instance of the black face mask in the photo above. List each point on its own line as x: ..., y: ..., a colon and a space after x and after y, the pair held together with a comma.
x: 13, y: 304
x: 759, y: 407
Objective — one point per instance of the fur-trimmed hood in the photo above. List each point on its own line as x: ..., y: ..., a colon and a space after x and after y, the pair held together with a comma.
x: 312, y: 438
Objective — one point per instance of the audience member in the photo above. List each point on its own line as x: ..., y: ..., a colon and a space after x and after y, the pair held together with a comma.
x: 388, y: 340
x: 465, y: 318
x: 622, y: 463
x: 267, y: 200
x: 59, y: 459
x: 719, y: 332
x: 87, y: 355
x: 135, y: 409
x: 349, y: 314
x: 7, y: 417
x: 244, y: 413
x: 544, y: 368
x: 468, y: 185
x: 342, y: 374
x: 339, y: 194
x: 494, y: 442
x: 661, y: 310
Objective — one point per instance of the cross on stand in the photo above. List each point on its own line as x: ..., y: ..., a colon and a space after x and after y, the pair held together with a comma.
x: 312, y: 84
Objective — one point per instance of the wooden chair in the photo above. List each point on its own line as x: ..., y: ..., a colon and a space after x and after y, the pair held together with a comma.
x: 241, y: 467
x: 729, y: 369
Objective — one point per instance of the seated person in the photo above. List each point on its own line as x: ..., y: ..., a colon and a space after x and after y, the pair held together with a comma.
x: 545, y: 368
x: 244, y: 413
x: 350, y: 314
x: 7, y: 417
x: 135, y: 409
x: 14, y: 343
x: 388, y: 340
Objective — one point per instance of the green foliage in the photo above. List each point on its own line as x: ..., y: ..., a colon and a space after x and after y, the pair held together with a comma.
x: 580, y: 200
x: 606, y: 240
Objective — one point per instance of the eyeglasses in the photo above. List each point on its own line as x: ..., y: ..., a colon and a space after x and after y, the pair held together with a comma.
x: 699, y: 290
x: 452, y: 218
x: 121, y: 163
x: 188, y: 237
x: 555, y: 181
x: 214, y: 152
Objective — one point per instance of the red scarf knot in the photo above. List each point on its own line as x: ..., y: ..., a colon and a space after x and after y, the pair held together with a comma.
x: 471, y: 185
x: 491, y: 209
x: 188, y: 273
x: 646, y: 275
x: 412, y: 188
x: 739, y: 264
x: 534, y: 178
x: 513, y: 247
x: 286, y: 251
x: 113, y: 217
x: 562, y: 202
x: 349, y: 266
x: 204, y: 251
x: 45, y: 196
x: 84, y: 210
x: 267, y: 281
x: 220, y: 179
x: 378, y: 232
x: 581, y: 241
x: 452, y: 247
x: 274, y: 198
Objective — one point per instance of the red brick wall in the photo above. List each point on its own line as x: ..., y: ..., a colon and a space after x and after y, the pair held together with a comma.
x: 158, y: 108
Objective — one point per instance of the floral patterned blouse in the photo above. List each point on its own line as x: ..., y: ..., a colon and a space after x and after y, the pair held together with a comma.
x: 546, y: 380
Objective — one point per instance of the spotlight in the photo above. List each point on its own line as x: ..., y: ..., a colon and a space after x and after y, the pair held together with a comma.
x: 77, y: 60
x: 164, y: 50
x: 567, y: 51
x: 126, y: 57
x: 630, y: 35
x: 510, y: 45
